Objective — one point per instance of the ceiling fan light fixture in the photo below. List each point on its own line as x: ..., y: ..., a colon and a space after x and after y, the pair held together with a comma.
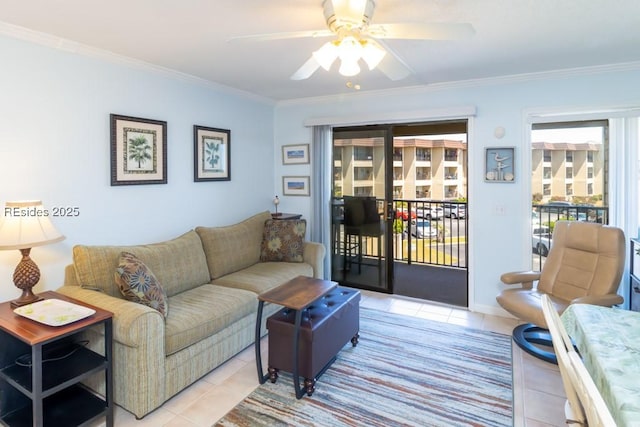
x: 349, y: 67
x: 349, y: 49
x: 348, y: 13
x: 372, y: 53
x: 326, y: 55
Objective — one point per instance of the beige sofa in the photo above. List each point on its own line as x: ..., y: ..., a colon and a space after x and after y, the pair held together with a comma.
x: 212, y: 276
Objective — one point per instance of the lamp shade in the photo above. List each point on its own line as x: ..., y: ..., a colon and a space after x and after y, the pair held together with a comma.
x: 26, y: 224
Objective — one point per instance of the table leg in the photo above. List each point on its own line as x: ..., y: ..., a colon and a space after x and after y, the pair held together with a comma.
x: 36, y: 385
x: 296, y: 351
x: 261, y: 376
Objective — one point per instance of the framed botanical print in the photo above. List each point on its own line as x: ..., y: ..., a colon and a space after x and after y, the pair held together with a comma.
x: 212, y: 154
x: 138, y: 151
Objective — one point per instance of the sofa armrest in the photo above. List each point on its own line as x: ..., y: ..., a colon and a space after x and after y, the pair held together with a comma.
x: 525, y: 277
x: 138, y: 351
x: 132, y: 323
x: 313, y: 254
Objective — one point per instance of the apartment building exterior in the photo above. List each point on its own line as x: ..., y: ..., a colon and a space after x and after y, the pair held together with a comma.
x: 422, y: 168
x: 565, y: 171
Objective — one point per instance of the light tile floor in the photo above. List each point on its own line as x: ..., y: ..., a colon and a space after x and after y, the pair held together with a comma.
x: 538, y: 393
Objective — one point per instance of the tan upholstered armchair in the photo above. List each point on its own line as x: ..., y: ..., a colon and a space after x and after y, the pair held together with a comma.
x: 584, y: 266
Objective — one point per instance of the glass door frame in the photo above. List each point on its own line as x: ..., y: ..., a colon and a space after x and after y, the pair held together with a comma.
x: 386, y: 131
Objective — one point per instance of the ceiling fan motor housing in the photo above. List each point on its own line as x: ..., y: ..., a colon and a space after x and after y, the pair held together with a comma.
x: 348, y: 14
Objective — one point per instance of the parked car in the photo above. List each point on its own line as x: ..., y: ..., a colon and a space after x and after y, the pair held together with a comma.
x: 454, y: 210
x: 557, y: 207
x: 422, y: 229
x: 541, y: 240
x: 432, y: 212
x: 404, y: 215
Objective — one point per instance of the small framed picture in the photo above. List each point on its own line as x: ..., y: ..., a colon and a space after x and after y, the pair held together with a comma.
x: 295, y: 185
x: 211, y: 154
x: 138, y: 151
x: 499, y: 164
x: 295, y: 154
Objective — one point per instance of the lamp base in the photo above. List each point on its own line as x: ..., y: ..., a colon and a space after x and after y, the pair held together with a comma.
x: 24, y: 300
x: 25, y: 277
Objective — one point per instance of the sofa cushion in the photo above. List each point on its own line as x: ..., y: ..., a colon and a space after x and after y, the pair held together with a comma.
x: 233, y: 247
x: 203, y: 311
x: 263, y: 276
x: 178, y: 264
x: 283, y: 240
x: 138, y: 283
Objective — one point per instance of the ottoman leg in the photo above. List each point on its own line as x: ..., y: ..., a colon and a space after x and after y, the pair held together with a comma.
x: 273, y: 374
x: 354, y: 340
x: 309, y: 386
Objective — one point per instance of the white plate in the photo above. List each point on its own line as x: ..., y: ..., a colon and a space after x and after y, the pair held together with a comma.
x: 54, y: 312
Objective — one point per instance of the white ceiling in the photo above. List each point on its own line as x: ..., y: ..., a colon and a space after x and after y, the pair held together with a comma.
x: 191, y: 36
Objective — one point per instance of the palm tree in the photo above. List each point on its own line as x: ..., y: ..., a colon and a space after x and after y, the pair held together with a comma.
x: 139, y: 150
x: 211, y: 150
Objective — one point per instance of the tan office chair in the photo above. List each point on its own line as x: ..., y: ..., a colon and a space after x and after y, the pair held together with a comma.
x: 584, y: 405
x: 584, y: 265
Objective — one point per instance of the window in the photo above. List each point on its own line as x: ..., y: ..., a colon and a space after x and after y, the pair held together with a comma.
x: 362, y: 153
x: 362, y: 174
x: 397, y: 174
x: 423, y: 154
x: 573, y: 173
x: 569, y: 173
x: 450, y: 155
x: 397, y: 154
x: 423, y: 173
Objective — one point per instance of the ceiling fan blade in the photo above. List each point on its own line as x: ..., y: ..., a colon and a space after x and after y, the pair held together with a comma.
x: 392, y: 65
x: 307, y: 69
x: 425, y: 31
x: 281, y: 36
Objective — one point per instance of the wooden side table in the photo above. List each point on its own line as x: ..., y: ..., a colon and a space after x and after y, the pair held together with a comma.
x: 296, y: 294
x: 284, y: 216
x: 42, y: 366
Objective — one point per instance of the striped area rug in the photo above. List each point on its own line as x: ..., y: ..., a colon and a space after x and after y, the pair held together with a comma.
x: 404, y: 372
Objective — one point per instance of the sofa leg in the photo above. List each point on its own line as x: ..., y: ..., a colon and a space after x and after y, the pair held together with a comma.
x: 309, y: 386
x: 354, y: 340
x: 273, y: 374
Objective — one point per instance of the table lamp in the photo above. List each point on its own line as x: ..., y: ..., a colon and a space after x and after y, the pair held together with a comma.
x: 25, y: 225
x: 276, y: 202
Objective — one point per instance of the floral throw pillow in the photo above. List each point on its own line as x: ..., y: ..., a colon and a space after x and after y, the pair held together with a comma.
x: 283, y: 240
x: 138, y: 284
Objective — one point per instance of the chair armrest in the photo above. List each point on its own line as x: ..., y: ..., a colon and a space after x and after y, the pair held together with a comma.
x: 132, y: 323
x: 525, y: 277
x: 603, y: 300
x: 313, y: 254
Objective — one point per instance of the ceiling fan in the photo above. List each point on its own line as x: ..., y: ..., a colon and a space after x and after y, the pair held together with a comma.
x: 355, y: 38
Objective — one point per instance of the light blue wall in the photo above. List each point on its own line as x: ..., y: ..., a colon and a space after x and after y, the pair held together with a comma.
x: 55, y: 145
x: 499, y: 213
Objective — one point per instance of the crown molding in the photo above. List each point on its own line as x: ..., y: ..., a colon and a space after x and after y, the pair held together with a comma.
x: 471, y: 83
x: 71, y: 46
